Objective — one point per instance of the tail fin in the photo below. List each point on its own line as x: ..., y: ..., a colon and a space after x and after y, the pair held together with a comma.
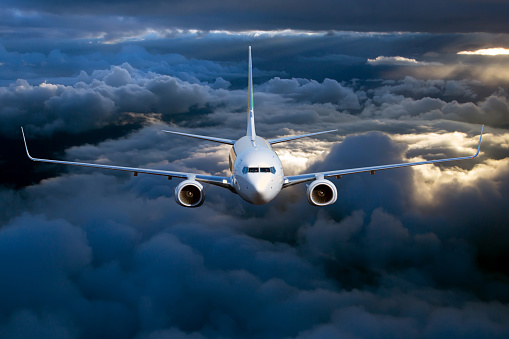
x: 250, y: 109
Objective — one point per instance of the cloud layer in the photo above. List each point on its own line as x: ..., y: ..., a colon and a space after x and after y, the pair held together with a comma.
x: 91, y: 248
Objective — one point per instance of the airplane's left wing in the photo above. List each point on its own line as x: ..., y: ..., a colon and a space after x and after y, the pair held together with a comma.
x: 210, y: 179
x: 297, y: 179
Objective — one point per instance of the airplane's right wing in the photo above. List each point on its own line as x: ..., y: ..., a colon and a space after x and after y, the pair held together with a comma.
x: 297, y: 179
x: 210, y: 179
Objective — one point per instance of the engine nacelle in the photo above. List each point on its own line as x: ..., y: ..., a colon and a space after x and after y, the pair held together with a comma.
x: 322, y: 193
x: 189, y: 193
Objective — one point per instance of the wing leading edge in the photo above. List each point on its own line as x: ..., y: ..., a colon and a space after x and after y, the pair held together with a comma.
x: 297, y: 179
x: 210, y: 179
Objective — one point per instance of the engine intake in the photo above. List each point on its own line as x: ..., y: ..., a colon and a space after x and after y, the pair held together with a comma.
x: 189, y: 193
x: 322, y: 193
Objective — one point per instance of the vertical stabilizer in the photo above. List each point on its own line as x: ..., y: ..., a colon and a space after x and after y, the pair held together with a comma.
x: 250, y: 109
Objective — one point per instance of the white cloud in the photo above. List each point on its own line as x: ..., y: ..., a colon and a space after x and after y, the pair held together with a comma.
x: 399, y: 61
x: 487, y: 51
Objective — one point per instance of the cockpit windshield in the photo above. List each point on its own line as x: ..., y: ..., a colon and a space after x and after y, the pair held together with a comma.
x: 259, y: 170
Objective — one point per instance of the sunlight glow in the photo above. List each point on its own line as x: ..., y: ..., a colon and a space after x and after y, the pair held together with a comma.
x: 430, y: 181
x: 487, y: 51
x: 460, y: 142
x: 300, y: 154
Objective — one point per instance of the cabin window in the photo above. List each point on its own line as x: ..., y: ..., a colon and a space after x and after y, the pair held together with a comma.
x: 253, y: 170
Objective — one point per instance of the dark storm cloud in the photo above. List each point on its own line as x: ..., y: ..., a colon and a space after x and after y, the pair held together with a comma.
x: 368, y: 15
x: 387, y: 103
x: 121, y: 249
x: 330, y: 91
x: 95, y: 100
x: 68, y: 67
x: 341, y: 56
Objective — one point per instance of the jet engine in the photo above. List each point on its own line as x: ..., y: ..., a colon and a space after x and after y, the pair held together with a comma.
x: 189, y: 193
x: 322, y: 193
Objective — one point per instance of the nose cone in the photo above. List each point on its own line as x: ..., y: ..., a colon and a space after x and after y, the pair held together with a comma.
x: 258, y: 174
x: 262, y: 190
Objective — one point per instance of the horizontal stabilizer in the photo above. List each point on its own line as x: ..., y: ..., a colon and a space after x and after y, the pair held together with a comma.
x: 278, y: 140
x: 220, y: 140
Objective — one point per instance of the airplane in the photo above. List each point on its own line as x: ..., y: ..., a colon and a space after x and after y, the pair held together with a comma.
x: 257, y: 174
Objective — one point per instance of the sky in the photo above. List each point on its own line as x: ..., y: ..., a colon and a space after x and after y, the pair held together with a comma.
x: 417, y: 252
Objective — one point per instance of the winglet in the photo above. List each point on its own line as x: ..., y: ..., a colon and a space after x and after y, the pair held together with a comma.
x: 26, y: 147
x: 250, y: 107
x: 479, y: 147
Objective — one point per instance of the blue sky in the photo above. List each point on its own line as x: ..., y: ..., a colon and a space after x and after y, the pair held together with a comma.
x: 418, y: 252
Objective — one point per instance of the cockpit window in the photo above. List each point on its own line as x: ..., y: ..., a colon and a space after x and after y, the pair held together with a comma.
x: 259, y: 170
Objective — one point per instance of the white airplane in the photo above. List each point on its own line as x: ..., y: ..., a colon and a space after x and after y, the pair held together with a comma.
x: 256, y: 170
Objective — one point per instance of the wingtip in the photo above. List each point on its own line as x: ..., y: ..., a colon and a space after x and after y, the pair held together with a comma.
x: 23, y: 133
x: 25, y: 141
x: 479, y: 146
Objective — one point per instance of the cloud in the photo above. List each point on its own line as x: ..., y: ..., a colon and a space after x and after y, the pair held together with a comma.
x: 27, y: 324
x: 398, y: 61
x: 336, y: 15
x: 386, y: 103
x: 409, y: 252
x: 100, y: 100
x: 487, y: 51
x: 330, y: 91
x: 120, y: 248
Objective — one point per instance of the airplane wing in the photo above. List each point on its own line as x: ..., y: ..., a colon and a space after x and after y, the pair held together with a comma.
x: 209, y: 179
x: 278, y: 140
x: 297, y: 179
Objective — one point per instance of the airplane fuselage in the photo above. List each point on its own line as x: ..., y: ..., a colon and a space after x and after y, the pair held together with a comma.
x: 257, y: 172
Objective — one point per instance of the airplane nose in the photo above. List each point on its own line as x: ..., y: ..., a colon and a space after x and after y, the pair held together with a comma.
x: 260, y: 190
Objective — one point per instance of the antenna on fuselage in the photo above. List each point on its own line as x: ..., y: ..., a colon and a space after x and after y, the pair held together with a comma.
x: 250, y: 109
